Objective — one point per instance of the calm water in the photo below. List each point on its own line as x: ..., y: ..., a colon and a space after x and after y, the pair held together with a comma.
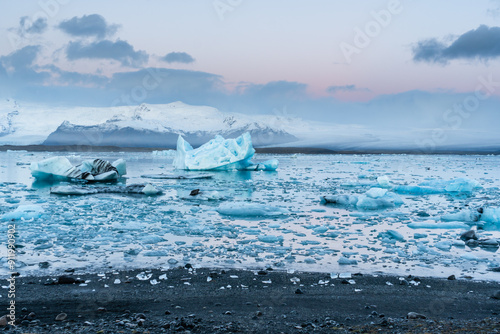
x: 94, y: 232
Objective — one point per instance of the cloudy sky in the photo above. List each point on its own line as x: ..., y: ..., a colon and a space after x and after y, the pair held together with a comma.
x: 401, y: 60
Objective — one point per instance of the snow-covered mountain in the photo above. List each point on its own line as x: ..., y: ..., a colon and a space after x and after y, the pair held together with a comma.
x: 137, y: 126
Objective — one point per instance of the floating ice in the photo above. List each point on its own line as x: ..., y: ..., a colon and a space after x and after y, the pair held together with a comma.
x: 250, y: 210
x: 440, y: 225
x: 24, y: 212
x: 460, y: 185
x: 218, y: 153
x: 269, y: 165
x: 59, y: 168
x: 346, y: 261
x: 270, y: 238
x: 178, y: 176
x: 487, y: 215
x: 373, y: 199
x: 383, y: 181
x: 147, y: 189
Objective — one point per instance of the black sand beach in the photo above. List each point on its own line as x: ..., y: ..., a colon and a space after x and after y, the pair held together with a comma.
x: 265, y: 301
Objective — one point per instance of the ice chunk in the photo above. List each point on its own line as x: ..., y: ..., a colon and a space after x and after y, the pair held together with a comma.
x: 391, y: 234
x: 218, y: 153
x: 59, y: 168
x: 24, y: 212
x: 462, y: 185
x: 178, y: 176
x: 270, y: 238
x: 269, y: 165
x: 346, y: 261
x: 373, y: 199
x: 383, y: 181
x: 417, y: 190
x: 250, y: 210
x: 120, y: 166
x: 430, y: 187
x: 441, y: 225
x: 150, y: 190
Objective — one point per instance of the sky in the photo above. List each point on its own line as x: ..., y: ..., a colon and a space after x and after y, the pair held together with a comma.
x: 384, y: 63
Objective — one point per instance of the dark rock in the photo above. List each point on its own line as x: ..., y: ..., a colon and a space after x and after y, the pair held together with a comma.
x: 194, y: 192
x: 496, y: 295
x: 101, y: 309
x: 70, y: 270
x: 68, y: 280
x: 262, y: 272
x: 451, y: 278
x: 188, y: 266
x: 299, y: 292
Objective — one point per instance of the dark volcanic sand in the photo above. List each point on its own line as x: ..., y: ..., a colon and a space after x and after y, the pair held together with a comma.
x: 185, y: 301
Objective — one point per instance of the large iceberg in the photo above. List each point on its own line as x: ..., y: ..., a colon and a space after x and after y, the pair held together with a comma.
x: 59, y: 168
x: 220, y: 154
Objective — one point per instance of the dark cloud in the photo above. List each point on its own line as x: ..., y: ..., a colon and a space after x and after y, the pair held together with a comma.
x: 18, y: 67
x: 22, y: 58
x: 119, y: 50
x: 76, y: 78
x: 345, y: 88
x: 482, y: 43
x: 32, y: 27
x: 88, y: 25
x: 178, y: 57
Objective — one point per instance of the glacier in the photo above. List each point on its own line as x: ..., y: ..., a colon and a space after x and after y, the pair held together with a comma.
x: 60, y: 168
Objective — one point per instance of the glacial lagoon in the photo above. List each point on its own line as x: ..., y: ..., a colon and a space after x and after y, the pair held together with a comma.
x: 261, y: 219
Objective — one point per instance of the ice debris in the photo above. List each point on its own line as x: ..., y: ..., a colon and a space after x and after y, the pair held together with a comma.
x: 178, y: 176
x: 486, y: 215
x: 373, y: 199
x: 220, y: 154
x: 430, y: 187
x: 60, y: 168
x: 24, y: 212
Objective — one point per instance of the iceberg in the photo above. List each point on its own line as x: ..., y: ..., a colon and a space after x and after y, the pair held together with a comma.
x: 220, y: 154
x: 217, y: 154
x: 60, y: 168
x: 486, y: 215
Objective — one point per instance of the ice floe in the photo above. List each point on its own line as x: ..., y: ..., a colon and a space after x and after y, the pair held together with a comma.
x: 250, y: 210
x: 146, y: 189
x: 373, y: 199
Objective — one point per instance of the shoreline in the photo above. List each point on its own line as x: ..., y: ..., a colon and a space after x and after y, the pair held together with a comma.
x: 208, y: 300
x: 261, y: 150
